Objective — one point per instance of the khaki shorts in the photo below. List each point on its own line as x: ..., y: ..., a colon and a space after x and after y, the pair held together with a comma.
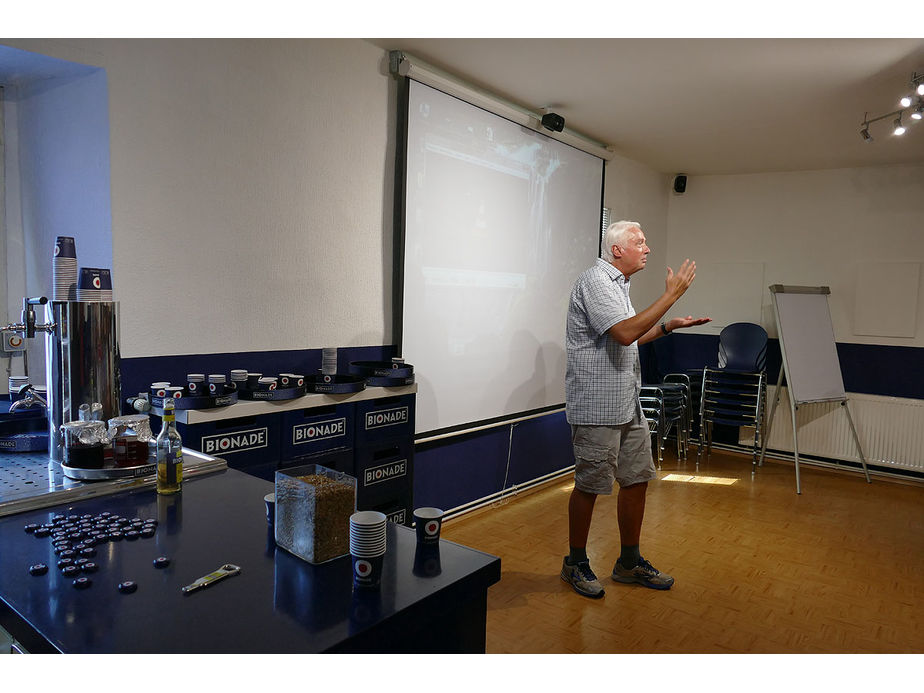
x: 607, y: 454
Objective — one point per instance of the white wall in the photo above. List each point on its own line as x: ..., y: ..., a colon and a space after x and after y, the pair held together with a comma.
x: 56, y: 159
x: 251, y: 191
x: 63, y: 130
x: 636, y: 192
x: 814, y: 228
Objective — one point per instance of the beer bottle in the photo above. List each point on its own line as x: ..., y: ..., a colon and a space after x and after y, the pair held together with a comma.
x: 169, y: 448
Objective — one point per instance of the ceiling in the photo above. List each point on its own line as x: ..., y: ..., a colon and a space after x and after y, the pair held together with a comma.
x: 704, y: 106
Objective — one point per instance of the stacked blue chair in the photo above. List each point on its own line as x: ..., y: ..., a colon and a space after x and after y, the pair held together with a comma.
x: 743, y: 347
x: 734, y: 394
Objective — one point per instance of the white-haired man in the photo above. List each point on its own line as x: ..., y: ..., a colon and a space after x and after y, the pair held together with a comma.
x: 609, y: 432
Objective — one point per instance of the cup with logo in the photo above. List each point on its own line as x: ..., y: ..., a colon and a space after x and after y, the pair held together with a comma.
x: 239, y: 378
x: 89, y: 285
x: 217, y: 384
x: 159, y: 389
x: 367, y: 547
x: 195, y: 385
x: 267, y: 383
x: 428, y: 522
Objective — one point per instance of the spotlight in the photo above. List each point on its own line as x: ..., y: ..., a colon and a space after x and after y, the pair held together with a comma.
x: 921, y: 88
x: 864, y: 133
x: 905, y: 101
x: 899, y: 128
x: 918, y: 112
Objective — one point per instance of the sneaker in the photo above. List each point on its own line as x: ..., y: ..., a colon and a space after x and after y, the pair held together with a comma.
x: 581, y: 578
x: 644, y: 574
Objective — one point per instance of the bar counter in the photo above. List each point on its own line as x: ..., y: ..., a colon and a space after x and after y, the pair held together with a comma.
x: 433, y: 601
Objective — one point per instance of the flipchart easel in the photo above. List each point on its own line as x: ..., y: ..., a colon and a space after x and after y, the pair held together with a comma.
x: 810, y: 361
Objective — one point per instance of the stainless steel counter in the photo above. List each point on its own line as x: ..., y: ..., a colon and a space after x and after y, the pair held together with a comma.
x: 29, y: 481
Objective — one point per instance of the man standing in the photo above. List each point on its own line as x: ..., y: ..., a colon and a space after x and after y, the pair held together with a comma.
x: 609, y: 432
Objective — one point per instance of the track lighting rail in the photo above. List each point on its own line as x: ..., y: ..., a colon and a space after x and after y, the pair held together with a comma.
x: 913, y: 101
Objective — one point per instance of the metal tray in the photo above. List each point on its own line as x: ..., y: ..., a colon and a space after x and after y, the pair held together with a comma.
x: 107, y: 473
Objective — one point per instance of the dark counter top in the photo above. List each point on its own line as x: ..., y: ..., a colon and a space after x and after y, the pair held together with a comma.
x: 278, y: 603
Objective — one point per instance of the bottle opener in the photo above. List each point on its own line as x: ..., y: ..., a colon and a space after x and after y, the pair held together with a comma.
x: 226, y: 570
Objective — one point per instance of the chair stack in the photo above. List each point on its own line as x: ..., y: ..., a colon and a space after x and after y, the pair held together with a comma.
x: 666, y: 406
x: 734, y: 394
x: 652, y: 400
x: 679, y: 399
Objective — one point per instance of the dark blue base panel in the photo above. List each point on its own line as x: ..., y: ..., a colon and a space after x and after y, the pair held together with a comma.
x: 871, y: 369
x: 459, y: 470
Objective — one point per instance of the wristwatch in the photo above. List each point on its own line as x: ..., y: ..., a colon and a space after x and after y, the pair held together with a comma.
x: 664, y: 329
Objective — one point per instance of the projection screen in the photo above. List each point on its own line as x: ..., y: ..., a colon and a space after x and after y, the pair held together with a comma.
x: 499, y: 222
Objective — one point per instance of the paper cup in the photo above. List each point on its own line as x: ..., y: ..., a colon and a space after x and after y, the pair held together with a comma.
x: 428, y: 522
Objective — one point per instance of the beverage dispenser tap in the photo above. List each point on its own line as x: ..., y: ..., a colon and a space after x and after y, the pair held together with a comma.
x: 28, y: 327
x: 28, y: 396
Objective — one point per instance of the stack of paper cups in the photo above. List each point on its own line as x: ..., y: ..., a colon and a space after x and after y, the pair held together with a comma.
x: 329, y: 361
x: 64, y: 269
x: 16, y: 382
x: 367, y: 547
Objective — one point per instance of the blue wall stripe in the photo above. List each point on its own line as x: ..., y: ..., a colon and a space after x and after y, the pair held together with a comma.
x: 872, y: 369
x: 462, y: 469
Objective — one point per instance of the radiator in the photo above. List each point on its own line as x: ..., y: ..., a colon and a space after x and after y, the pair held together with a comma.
x: 891, y: 430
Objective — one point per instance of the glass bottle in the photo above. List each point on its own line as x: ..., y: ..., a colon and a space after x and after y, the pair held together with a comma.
x: 169, y: 447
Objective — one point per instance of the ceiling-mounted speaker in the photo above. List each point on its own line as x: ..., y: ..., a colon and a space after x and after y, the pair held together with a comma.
x: 680, y: 184
x: 553, y: 122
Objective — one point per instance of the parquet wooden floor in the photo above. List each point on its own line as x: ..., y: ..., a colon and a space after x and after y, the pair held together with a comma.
x: 758, y: 568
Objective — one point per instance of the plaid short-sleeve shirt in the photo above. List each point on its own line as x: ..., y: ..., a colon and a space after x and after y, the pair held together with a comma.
x: 603, y: 377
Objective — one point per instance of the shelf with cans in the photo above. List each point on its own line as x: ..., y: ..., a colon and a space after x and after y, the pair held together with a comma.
x: 366, y: 432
